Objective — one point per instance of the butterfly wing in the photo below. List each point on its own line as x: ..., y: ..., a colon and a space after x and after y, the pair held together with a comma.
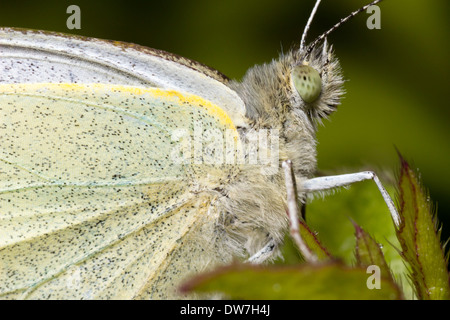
x: 97, y: 195
x: 28, y: 56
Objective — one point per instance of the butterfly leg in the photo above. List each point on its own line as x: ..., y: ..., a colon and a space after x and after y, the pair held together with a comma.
x: 312, y: 185
x: 263, y: 254
x: 330, y: 182
x: 293, y: 212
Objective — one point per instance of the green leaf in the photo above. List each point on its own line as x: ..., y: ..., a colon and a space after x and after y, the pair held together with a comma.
x: 330, y: 281
x: 313, y: 242
x: 332, y: 216
x: 419, y: 238
x: 290, y: 253
x: 368, y: 252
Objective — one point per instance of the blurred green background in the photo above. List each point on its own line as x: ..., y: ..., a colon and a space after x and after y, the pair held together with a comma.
x: 398, y: 77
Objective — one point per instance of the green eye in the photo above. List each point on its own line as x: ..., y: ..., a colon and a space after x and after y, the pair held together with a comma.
x: 307, y: 82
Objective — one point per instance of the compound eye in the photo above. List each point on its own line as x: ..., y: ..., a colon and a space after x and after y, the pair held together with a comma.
x: 307, y: 82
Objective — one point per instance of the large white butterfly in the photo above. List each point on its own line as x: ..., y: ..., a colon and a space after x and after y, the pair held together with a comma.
x: 103, y: 193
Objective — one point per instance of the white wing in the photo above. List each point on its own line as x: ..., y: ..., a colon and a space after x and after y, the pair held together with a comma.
x: 28, y: 56
x: 92, y: 204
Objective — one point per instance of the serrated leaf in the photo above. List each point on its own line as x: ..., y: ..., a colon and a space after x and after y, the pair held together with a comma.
x: 368, y: 252
x: 313, y: 242
x: 419, y: 238
x: 330, y: 281
x: 291, y: 254
x: 331, y: 217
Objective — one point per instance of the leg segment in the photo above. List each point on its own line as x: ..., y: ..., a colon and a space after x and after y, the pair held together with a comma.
x: 330, y: 182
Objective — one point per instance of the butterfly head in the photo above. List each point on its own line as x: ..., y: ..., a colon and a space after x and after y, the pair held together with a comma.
x: 305, y: 82
x: 294, y: 93
x: 315, y: 81
x: 315, y: 75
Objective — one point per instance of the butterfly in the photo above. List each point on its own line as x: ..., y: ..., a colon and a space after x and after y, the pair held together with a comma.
x: 125, y: 169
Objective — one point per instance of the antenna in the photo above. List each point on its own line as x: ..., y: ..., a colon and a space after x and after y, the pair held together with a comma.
x: 337, y: 25
x: 308, y: 24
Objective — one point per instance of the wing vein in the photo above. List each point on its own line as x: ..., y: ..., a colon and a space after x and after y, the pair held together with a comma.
x: 96, y: 251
